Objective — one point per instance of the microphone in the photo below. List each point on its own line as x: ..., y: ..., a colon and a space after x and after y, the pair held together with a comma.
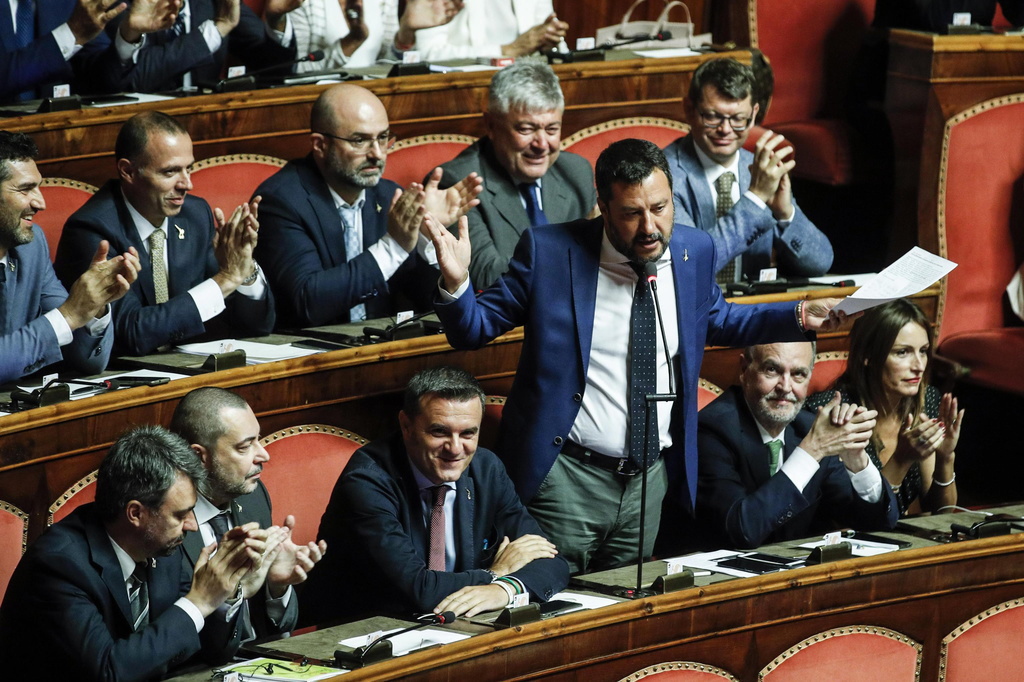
x: 651, y: 273
x: 357, y: 658
x: 314, y: 56
x: 246, y: 79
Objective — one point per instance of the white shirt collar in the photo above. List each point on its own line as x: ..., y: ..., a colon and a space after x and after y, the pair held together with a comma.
x: 713, y: 169
x: 767, y: 437
x: 205, y: 510
x: 422, y: 482
x: 339, y: 202
x: 142, y: 226
x: 611, y: 256
x: 124, y: 560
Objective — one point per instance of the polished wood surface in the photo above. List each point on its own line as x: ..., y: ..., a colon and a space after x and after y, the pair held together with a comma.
x: 79, y: 144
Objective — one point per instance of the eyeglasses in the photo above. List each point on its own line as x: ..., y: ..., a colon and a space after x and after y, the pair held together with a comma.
x: 385, y: 141
x: 738, y: 123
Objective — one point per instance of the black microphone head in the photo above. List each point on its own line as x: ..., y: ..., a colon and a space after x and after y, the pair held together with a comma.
x: 651, y: 270
x: 664, y: 35
x: 446, y: 617
x: 315, y: 56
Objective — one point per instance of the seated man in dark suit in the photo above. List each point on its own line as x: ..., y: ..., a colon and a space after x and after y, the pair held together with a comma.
x: 105, y: 594
x: 411, y: 546
x: 743, y: 200
x: 199, y: 277
x: 528, y: 181
x: 194, y: 50
x: 225, y: 435
x: 771, y: 472
x: 39, y: 320
x: 340, y: 243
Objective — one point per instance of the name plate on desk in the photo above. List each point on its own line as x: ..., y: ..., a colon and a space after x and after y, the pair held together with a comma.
x: 231, y: 359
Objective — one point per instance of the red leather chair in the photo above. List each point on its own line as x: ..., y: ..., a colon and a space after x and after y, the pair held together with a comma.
x: 305, y: 462
x: 857, y: 653
x: 13, y: 540
x: 63, y: 197
x: 985, y: 647
x: 410, y: 160
x: 706, y: 392
x: 812, y: 47
x: 591, y: 141
x: 977, y: 224
x: 491, y: 422
x: 229, y: 181
x: 680, y: 671
x: 827, y: 368
x: 82, y: 492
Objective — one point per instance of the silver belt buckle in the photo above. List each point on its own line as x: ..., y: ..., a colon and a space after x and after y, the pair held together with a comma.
x: 622, y: 465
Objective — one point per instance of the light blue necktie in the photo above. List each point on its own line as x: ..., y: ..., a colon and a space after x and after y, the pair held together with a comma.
x: 353, y: 247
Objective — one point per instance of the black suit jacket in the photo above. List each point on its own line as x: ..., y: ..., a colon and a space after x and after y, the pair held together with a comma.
x: 376, y: 526
x: 165, y: 57
x: 302, y: 249
x: 140, y: 324
x: 66, y: 613
x: 252, y: 507
x: 740, y: 505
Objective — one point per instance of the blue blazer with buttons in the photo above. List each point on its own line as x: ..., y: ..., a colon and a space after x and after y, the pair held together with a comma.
x: 739, y: 504
x: 801, y: 249
x: 551, y: 288
x: 142, y: 325
x: 302, y: 248
x: 376, y: 527
x: 27, y: 341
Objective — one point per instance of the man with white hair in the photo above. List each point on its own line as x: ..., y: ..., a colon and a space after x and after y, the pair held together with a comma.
x: 528, y: 181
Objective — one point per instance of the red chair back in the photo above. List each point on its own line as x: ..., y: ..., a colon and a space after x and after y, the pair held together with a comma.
x: 410, y: 160
x: 986, y: 646
x: 681, y: 671
x: 827, y: 368
x: 860, y: 653
x: 305, y: 462
x: 591, y: 141
x: 63, y: 197
x: 706, y: 392
x: 82, y: 492
x: 13, y: 539
x: 229, y: 181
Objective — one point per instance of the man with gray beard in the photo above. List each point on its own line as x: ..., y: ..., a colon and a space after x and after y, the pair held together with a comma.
x: 771, y: 472
x: 339, y: 243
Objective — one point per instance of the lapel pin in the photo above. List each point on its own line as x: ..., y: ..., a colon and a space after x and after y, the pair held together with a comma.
x: 181, y: 231
x: 686, y: 256
x: 378, y: 208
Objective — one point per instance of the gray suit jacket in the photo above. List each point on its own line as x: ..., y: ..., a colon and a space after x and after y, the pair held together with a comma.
x: 801, y: 249
x: 567, y: 194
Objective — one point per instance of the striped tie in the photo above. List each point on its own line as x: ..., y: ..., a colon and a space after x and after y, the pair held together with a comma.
x: 138, y: 596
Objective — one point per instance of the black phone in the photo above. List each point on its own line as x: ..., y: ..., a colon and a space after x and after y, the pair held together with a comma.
x: 773, y: 559
x: 557, y: 607
x: 870, y: 537
x: 740, y: 563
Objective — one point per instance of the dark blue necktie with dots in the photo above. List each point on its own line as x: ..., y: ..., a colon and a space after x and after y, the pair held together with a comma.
x: 643, y: 366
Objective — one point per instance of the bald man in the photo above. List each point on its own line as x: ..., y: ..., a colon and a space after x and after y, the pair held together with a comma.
x: 338, y: 242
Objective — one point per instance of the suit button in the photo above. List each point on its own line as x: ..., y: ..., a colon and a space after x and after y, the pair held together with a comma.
x: 578, y: 397
x: 98, y: 351
x: 559, y: 440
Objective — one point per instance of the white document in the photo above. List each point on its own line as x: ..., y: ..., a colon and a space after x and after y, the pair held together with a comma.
x: 586, y: 601
x: 708, y: 561
x: 915, y: 271
x: 410, y: 641
x: 255, y: 352
x: 859, y: 547
x: 666, y: 52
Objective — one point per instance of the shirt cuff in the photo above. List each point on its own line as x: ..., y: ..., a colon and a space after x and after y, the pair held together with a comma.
x: 277, y: 607
x: 426, y: 249
x: 208, y: 298
x: 867, y: 482
x: 98, y: 325
x: 211, y: 35
x: 450, y: 298
x: 800, y: 467
x: 389, y: 255
x: 285, y: 37
x: 128, y: 52
x: 60, y: 327
x: 756, y: 199
x: 257, y: 289
x: 66, y: 41
x: 193, y: 612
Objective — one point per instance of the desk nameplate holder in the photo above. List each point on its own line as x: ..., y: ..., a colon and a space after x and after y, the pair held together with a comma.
x: 664, y: 584
x: 827, y: 553
x: 220, y: 361
x: 515, y: 616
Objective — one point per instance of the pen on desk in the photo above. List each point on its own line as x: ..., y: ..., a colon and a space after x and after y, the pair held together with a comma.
x: 95, y: 386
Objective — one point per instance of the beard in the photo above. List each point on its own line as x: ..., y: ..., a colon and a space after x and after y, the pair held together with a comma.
x: 628, y: 249
x: 355, y: 176
x: 769, y: 413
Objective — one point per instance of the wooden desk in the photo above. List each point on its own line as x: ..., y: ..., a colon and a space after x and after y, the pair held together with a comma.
x: 44, y: 451
x: 79, y: 144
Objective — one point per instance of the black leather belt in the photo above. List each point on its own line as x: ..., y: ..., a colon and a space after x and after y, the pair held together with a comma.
x: 620, y: 465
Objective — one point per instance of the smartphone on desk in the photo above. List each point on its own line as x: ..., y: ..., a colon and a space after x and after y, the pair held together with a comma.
x: 741, y: 563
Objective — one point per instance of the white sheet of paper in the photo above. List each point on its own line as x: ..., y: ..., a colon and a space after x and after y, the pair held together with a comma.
x: 915, y: 271
x: 255, y: 352
x: 411, y: 641
x: 587, y: 601
x: 859, y: 547
x: 708, y: 561
x: 668, y: 52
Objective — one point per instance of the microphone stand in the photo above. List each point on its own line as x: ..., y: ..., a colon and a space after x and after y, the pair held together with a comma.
x: 650, y: 398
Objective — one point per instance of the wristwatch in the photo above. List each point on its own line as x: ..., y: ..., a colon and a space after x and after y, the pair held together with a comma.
x: 251, y: 279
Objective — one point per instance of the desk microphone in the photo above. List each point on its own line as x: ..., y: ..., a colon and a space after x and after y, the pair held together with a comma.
x: 239, y: 82
x: 651, y: 272
x: 357, y: 658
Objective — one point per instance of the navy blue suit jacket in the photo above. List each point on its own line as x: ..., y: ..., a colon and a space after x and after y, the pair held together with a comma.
x: 252, y: 507
x: 551, y: 287
x: 165, y: 57
x: 375, y: 523
x: 67, y: 604
x: 40, y: 62
x: 302, y: 250
x: 27, y: 341
x: 739, y: 504
x: 141, y: 325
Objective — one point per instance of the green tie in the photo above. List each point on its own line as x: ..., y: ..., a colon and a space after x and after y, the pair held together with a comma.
x: 775, y: 450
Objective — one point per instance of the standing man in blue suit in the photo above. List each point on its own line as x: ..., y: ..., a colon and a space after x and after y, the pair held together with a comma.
x: 564, y: 431
x: 39, y: 320
x: 199, y: 277
x: 340, y: 243
x: 770, y: 471
x: 743, y: 200
x: 66, y: 43
x: 528, y: 179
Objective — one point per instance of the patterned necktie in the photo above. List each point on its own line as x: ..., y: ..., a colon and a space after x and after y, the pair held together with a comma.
x: 530, y: 192
x: 156, y: 256
x: 138, y: 596
x: 775, y: 452
x: 724, y: 204
x: 643, y: 364
x: 219, y: 524
x: 353, y: 247
x: 437, y: 561
x: 25, y: 25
